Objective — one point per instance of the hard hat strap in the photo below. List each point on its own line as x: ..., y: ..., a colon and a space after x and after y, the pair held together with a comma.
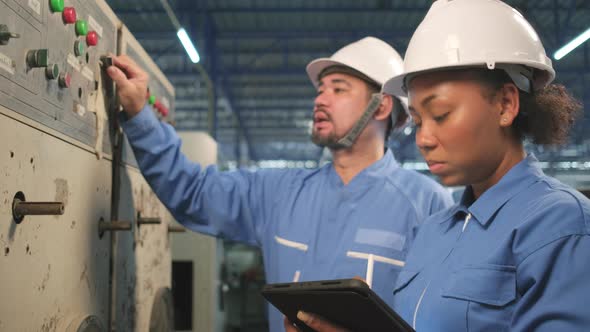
x: 353, y: 134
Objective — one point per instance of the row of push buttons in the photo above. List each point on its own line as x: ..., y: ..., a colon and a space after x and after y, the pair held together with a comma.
x: 69, y: 17
x: 152, y: 100
x: 40, y: 58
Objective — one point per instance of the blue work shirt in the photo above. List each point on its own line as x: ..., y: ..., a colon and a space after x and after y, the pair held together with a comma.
x: 309, y: 225
x: 515, y: 259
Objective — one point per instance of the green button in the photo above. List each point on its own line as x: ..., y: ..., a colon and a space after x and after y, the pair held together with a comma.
x: 52, y: 71
x: 152, y: 100
x: 81, y: 28
x: 79, y: 48
x: 57, y: 6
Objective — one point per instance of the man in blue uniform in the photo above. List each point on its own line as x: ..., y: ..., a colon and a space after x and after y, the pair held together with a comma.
x: 353, y: 217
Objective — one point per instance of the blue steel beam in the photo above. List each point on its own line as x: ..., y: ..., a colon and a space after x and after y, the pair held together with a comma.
x: 230, y: 103
x: 288, y: 34
x: 314, y: 34
x: 294, y: 9
x: 241, y: 71
x: 559, y: 38
x: 211, y: 60
x: 568, y: 18
x: 173, y: 46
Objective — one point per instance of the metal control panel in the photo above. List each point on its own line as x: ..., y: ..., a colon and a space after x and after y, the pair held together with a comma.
x: 84, y: 241
x: 50, y: 68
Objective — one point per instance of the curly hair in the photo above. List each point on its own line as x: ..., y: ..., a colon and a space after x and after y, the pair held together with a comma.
x: 545, y: 115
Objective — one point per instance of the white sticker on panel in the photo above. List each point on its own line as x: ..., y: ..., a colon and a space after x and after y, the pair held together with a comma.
x: 88, y: 74
x: 7, y: 64
x: 94, y: 25
x: 36, y: 6
x: 74, y: 62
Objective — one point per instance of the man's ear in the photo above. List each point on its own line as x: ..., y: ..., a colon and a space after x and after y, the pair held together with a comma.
x: 385, y: 108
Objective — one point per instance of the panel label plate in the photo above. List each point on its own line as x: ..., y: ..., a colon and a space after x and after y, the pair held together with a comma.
x: 88, y: 74
x: 6, y: 63
x: 74, y: 62
x: 36, y: 6
x: 94, y: 25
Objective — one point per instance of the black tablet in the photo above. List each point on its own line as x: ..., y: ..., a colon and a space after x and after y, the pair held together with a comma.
x: 349, y: 303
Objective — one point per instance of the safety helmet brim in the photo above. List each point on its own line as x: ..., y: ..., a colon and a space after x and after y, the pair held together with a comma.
x: 315, y: 68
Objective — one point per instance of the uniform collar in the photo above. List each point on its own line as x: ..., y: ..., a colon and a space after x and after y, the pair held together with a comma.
x: 520, y: 177
x: 375, y: 171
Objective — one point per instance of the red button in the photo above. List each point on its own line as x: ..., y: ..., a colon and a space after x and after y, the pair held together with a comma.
x: 65, y: 80
x: 69, y: 15
x: 161, y: 108
x: 92, y: 38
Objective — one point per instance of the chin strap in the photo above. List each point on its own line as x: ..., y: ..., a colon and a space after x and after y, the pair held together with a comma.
x: 348, y: 140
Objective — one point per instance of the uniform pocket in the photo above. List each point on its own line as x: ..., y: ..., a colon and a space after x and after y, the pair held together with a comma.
x: 489, y: 284
x: 490, y: 293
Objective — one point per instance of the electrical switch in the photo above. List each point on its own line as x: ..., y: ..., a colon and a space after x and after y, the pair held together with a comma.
x: 152, y: 100
x: 64, y: 80
x: 38, y: 58
x: 57, y: 6
x: 92, y: 38
x: 5, y: 35
x: 79, y: 48
x: 81, y: 28
x: 69, y: 15
x: 52, y: 71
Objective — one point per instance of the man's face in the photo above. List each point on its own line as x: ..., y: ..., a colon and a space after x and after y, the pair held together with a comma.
x: 340, y: 102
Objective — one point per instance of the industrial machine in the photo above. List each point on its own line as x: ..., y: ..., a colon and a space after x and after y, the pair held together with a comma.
x: 85, y: 244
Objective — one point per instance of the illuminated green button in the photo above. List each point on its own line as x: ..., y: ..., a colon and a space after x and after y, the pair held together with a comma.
x: 81, y: 28
x: 57, y: 6
x: 152, y: 100
x: 79, y: 48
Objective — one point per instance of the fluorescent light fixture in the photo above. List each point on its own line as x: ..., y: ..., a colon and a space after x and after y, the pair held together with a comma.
x: 188, y: 45
x: 572, y: 45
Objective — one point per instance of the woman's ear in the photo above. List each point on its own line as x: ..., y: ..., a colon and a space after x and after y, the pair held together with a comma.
x: 510, y: 104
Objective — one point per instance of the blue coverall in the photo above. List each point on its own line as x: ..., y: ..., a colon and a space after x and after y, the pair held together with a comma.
x: 309, y: 225
x: 515, y: 259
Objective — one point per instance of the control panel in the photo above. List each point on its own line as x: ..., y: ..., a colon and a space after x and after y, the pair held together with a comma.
x: 50, y: 69
x: 85, y: 241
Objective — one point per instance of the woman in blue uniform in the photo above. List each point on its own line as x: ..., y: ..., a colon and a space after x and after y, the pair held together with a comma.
x: 513, y: 254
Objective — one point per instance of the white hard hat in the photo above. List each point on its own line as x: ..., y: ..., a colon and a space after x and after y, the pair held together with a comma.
x: 476, y: 33
x: 371, y: 57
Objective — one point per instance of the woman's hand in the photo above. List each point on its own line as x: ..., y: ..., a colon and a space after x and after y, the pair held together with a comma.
x: 315, y: 322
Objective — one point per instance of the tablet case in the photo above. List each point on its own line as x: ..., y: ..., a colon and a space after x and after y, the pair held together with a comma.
x: 349, y: 303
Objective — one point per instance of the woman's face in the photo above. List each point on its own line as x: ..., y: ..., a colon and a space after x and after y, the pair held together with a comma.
x: 458, y: 127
